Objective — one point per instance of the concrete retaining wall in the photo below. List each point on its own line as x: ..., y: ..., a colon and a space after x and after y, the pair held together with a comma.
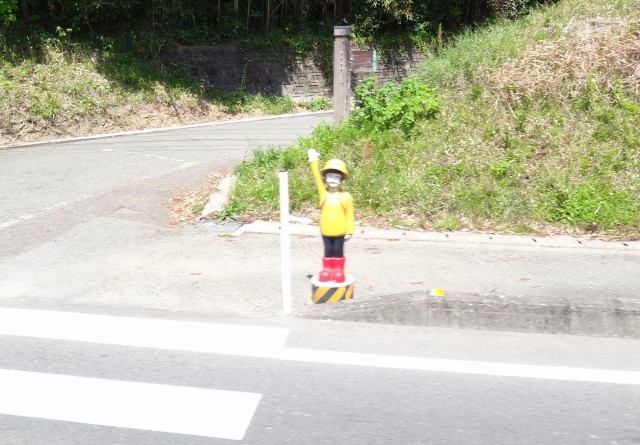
x: 228, y: 68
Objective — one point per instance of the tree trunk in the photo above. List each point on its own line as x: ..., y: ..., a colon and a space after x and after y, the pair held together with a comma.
x: 248, y: 12
x: 24, y: 8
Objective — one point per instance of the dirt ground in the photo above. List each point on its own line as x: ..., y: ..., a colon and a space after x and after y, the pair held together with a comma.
x: 115, y: 120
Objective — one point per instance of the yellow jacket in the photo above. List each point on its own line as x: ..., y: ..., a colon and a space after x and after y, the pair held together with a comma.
x: 336, y: 208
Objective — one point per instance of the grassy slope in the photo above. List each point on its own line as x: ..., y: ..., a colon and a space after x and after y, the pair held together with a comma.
x: 54, y: 88
x: 538, y: 132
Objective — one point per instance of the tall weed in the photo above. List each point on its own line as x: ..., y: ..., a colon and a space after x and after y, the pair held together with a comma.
x: 394, y: 105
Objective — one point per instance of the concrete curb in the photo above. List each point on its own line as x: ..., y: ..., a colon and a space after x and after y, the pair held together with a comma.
x: 607, y: 318
x: 220, y: 197
x: 306, y: 227
x: 160, y: 129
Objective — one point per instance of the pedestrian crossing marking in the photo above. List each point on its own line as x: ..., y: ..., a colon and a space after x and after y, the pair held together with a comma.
x: 253, y: 341
x: 198, y: 411
x: 261, y: 342
x: 113, y: 403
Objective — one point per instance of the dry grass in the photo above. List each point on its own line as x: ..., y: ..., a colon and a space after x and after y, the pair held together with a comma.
x: 185, y: 205
x: 23, y: 129
x: 599, y: 51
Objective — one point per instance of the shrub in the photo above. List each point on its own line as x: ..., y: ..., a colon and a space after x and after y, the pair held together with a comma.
x: 394, y: 105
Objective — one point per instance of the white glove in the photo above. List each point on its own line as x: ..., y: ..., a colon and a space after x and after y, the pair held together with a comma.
x: 313, y: 155
x: 347, y: 237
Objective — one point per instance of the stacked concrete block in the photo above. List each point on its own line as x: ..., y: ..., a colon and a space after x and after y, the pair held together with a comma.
x: 229, y: 68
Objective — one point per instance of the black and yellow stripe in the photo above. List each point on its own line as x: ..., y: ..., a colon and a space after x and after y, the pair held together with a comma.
x: 331, y: 294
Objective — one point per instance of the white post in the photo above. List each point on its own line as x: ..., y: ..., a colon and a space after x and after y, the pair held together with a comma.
x: 285, y: 251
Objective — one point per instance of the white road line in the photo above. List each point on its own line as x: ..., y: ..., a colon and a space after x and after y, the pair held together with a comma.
x: 461, y: 366
x: 251, y: 341
x: 170, y: 409
x: 265, y: 342
x: 28, y: 216
x: 164, y: 158
x: 11, y: 222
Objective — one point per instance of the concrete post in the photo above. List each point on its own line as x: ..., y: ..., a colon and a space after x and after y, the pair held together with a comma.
x: 341, y: 72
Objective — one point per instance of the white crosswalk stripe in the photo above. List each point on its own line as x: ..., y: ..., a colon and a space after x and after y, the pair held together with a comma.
x: 191, y: 336
x: 215, y: 413
x: 164, y: 408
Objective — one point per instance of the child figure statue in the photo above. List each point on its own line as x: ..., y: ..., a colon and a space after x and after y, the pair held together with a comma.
x: 337, y: 222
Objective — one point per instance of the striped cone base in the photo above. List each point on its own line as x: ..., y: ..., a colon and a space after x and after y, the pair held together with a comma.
x: 330, y: 291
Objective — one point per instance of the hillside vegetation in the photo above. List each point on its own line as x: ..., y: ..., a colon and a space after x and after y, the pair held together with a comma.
x: 70, y: 68
x: 66, y: 89
x: 528, y: 126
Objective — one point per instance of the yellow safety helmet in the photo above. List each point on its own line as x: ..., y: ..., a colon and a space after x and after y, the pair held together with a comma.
x: 335, y: 164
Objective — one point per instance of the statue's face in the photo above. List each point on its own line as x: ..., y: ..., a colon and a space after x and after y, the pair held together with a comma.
x: 333, y: 179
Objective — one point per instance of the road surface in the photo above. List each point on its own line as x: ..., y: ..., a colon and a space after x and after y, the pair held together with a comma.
x: 106, y: 377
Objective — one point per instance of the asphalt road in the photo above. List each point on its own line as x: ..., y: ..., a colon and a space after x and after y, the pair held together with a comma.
x: 312, y: 383
x: 84, y: 228
x: 87, y: 222
x: 47, y: 189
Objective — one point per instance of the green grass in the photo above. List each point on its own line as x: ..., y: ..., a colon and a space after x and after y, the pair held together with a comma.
x: 51, y: 81
x: 521, y: 140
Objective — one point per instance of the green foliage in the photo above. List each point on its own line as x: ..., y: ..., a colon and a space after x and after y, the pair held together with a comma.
x: 449, y: 223
x: 7, y: 10
x: 594, y: 206
x: 478, y: 160
x: 232, y: 210
x: 470, y: 156
x: 500, y: 169
x: 198, y: 207
x: 318, y: 104
x: 302, y: 42
x: 510, y: 8
x: 239, y: 102
x: 258, y: 182
x: 57, y: 82
x: 44, y: 104
x: 197, y: 21
x: 394, y: 105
